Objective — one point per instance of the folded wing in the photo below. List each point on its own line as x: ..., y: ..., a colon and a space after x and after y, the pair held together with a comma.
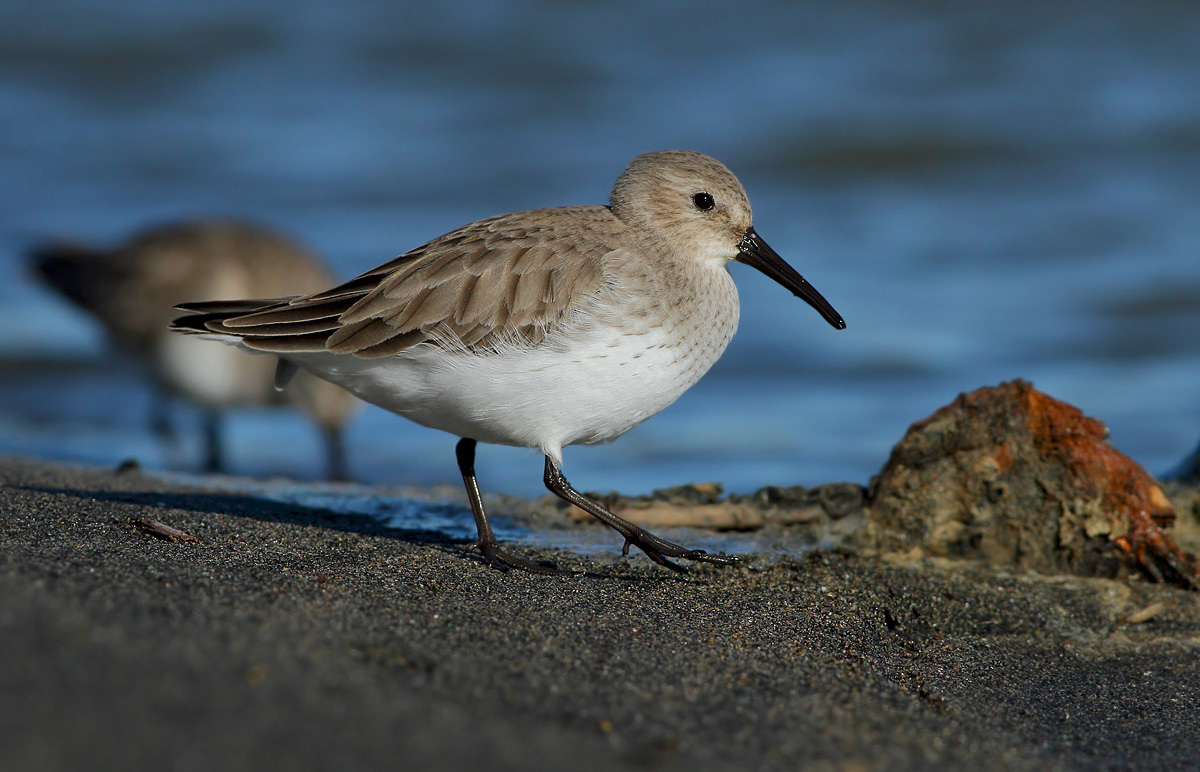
x: 508, y: 278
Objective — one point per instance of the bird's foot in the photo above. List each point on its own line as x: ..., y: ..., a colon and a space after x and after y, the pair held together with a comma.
x: 659, y: 550
x: 499, y: 559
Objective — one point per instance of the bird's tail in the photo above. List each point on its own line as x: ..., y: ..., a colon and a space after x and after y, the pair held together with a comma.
x: 207, y: 317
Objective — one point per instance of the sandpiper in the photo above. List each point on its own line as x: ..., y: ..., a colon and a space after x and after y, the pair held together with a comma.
x: 539, y: 329
x: 132, y: 291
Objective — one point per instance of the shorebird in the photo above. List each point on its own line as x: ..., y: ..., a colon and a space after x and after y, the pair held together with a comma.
x: 540, y: 329
x: 132, y: 291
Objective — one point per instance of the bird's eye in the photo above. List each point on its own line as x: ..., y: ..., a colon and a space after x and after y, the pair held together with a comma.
x: 703, y: 201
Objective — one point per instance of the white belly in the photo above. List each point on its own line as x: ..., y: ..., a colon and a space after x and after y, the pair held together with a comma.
x: 215, y: 376
x: 583, y: 387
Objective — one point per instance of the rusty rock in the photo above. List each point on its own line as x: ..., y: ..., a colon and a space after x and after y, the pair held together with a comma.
x: 1009, y: 475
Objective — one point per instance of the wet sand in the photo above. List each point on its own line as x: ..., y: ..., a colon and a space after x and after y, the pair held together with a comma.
x: 291, y: 638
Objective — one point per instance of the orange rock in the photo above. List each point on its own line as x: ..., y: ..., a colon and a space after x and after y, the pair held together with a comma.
x: 1010, y: 475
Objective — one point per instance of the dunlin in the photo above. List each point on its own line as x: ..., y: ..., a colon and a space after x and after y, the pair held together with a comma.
x: 538, y: 329
x: 132, y: 291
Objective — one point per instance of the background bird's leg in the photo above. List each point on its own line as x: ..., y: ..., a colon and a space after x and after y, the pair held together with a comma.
x: 465, y: 452
x: 335, y: 453
x: 655, y: 548
x: 160, y: 416
x: 214, y: 461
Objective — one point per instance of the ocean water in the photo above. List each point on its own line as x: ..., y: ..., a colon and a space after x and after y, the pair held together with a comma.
x: 983, y: 193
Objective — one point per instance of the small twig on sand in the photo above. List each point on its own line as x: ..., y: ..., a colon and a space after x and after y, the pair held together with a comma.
x: 162, y: 530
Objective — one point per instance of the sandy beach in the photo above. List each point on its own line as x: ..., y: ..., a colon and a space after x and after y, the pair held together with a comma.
x: 291, y: 638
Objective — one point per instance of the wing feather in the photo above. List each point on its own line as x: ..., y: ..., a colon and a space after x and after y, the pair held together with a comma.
x: 497, y: 281
x: 232, y: 306
x: 314, y: 341
x: 291, y: 313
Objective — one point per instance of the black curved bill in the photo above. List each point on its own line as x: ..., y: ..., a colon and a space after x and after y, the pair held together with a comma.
x: 755, y: 252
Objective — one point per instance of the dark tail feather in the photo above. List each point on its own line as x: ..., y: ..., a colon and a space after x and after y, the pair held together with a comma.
x: 230, y: 308
x: 200, y: 313
x: 196, y: 323
x: 212, y: 316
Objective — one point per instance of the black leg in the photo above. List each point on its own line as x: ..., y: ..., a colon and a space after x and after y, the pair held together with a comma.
x: 160, y: 416
x: 212, y: 435
x: 335, y: 454
x: 655, y: 548
x: 487, y: 544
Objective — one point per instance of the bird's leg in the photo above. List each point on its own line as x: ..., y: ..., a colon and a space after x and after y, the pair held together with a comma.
x: 335, y: 453
x: 214, y: 461
x: 487, y: 544
x: 655, y: 548
x: 160, y: 416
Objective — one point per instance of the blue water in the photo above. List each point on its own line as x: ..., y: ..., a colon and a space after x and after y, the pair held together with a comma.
x: 982, y: 193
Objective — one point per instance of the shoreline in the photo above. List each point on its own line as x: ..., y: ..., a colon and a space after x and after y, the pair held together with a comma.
x: 299, y: 638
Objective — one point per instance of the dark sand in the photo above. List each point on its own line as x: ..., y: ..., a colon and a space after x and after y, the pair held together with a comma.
x: 299, y: 639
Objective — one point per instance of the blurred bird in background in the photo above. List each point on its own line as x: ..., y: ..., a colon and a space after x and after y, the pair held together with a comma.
x: 132, y: 291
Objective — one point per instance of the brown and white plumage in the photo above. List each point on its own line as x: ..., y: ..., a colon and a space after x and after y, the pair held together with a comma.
x: 133, y: 288
x: 542, y: 328
x: 504, y: 280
